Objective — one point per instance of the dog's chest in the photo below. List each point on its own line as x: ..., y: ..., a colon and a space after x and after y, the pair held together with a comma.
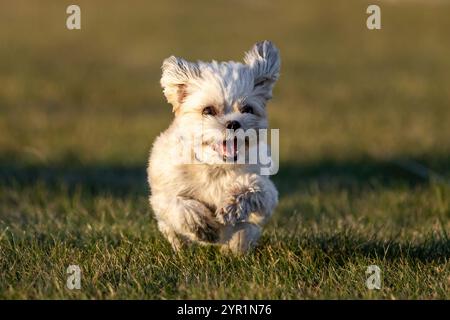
x: 209, y: 185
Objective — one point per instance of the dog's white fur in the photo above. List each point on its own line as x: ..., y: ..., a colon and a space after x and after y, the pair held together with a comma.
x: 218, y: 203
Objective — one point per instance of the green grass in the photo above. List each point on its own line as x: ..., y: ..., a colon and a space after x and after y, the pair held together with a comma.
x: 80, y: 109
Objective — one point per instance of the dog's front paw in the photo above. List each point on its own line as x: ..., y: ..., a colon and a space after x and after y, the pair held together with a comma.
x: 237, y: 210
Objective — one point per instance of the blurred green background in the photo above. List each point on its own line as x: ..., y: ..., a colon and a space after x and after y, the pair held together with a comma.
x: 79, y: 111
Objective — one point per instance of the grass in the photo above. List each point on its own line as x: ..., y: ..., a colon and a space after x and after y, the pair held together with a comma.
x: 79, y: 110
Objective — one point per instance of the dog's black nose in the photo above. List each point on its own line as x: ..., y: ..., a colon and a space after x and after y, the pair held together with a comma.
x: 234, y: 125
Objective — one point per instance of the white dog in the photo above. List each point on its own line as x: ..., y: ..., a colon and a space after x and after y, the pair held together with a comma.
x: 213, y: 199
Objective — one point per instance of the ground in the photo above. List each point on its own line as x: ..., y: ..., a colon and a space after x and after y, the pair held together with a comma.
x: 357, y: 110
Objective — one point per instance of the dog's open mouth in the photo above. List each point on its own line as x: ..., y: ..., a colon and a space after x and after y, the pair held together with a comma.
x: 228, y: 149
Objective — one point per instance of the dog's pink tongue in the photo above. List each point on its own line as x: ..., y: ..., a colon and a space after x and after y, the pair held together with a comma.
x: 225, y: 149
x: 229, y: 148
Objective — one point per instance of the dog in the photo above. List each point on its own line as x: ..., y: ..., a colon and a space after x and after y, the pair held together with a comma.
x: 213, y: 198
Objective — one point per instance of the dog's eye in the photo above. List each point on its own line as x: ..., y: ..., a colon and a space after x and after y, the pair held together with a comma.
x: 209, y: 111
x: 247, y: 109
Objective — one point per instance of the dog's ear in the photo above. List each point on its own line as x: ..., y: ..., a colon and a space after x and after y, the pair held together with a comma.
x: 176, y: 75
x: 264, y: 60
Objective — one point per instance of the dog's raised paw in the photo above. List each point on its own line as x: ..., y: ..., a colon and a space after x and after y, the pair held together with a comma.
x: 234, y: 212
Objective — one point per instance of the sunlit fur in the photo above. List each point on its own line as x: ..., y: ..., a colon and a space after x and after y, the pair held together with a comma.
x: 213, y: 203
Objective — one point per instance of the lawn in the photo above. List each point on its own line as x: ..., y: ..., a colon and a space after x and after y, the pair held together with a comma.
x: 361, y: 113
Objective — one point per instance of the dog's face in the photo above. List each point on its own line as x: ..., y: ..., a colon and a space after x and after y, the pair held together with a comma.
x: 209, y: 98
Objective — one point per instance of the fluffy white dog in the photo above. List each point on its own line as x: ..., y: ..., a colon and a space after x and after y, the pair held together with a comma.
x: 212, y: 198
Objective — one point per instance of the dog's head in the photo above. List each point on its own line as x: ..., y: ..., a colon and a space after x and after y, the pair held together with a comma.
x: 209, y: 98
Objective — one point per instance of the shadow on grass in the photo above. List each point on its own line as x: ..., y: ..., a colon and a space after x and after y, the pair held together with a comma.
x: 123, y: 180
x: 358, y: 173
x: 115, y: 180
x: 340, y: 248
